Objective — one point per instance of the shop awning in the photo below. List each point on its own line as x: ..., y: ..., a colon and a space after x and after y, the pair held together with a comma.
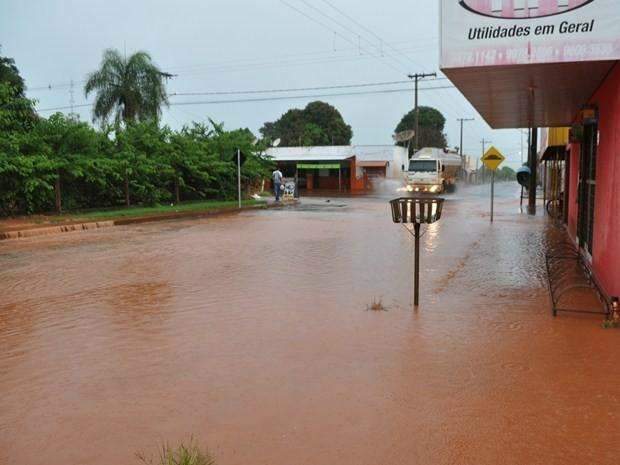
x: 539, y: 95
x: 554, y: 153
x: 535, y: 64
x: 553, y: 144
x: 372, y: 164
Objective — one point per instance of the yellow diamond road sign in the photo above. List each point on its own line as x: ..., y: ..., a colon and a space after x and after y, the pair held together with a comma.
x: 493, y: 158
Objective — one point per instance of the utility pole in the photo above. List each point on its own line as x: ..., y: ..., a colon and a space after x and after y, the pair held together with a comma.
x: 533, y: 165
x: 462, y: 120
x: 484, y: 150
x: 416, y: 78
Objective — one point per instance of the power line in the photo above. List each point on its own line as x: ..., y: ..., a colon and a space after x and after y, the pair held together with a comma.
x: 271, y: 99
x: 346, y: 28
x: 296, y: 56
x: 243, y: 64
x: 299, y: 89
x: 83, y: 105
x: 302, y: 97
x: 315, y: 57
x: 361, y: 26
x: 336, y: 32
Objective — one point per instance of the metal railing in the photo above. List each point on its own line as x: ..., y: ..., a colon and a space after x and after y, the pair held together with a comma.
x: 570, y: 281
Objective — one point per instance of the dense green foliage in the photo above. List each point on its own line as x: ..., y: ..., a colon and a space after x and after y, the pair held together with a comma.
x: 132, y: 89
x: 9, y: 74
x: 431, y: 125
x: 318, y: 124
x: 60, y: 163
x: 65, y: 164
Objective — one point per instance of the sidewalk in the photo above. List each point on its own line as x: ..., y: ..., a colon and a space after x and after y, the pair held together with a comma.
x: 43, y: 225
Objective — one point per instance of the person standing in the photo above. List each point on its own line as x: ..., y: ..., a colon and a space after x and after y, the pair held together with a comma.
x: 276, y: 177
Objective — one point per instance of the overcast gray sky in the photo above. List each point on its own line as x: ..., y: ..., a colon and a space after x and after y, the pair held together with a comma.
x: 240, y: 45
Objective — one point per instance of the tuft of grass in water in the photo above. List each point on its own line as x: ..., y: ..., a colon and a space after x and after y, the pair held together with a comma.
x: 376, y: 306
x: 183, y: 454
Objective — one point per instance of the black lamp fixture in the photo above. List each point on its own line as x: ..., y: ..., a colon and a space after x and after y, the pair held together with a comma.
x: 416, y: 211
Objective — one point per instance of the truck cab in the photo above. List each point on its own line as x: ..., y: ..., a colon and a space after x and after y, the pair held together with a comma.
x: 433, y: 170
x: 424, y: 175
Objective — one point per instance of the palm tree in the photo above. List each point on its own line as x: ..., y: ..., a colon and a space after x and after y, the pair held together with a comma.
x: 131, y: 88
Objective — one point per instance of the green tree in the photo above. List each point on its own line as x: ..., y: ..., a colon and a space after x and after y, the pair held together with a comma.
x: 70, y: 147
x: 318, y: 124
x: 61, y: 164
x: 16, y: 111
x: 226, y: 144
x: 506, y: 173
x: 431, y: 127
x: 9, y: 74
x: 143, y: 152
x: 132, y: 89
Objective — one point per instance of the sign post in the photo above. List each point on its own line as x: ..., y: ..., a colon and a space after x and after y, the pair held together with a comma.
x: 239, y: 177
x: 491, y: 160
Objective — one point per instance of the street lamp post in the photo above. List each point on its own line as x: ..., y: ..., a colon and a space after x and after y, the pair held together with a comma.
x: 416, y: 211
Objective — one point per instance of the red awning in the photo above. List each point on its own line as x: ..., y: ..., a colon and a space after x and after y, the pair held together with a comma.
x: 372, y: 164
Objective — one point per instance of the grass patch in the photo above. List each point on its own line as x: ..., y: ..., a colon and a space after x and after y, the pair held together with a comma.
x: 376, y: 306
x: 183, y: 454
x: 132, y: 212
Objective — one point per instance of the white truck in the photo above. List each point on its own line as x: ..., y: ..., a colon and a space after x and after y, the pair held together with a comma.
x: 433, y: 170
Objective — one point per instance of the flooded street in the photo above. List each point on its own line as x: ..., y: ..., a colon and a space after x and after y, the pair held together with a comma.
x: 252, y: 334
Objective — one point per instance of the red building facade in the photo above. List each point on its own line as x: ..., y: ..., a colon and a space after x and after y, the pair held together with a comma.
x: 551, y: 64
x: 601, y: 144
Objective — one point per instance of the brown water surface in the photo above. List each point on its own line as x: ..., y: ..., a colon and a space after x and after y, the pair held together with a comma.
x: 251, y: 334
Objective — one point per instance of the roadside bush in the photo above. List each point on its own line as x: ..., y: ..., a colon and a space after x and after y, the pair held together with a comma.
x: 60, y: 163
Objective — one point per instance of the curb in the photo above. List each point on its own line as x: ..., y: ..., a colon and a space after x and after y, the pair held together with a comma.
x: 47, y: 231
x: 90, y: 226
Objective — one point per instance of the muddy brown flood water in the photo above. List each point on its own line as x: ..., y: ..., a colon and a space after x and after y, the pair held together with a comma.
x: 251, y: 333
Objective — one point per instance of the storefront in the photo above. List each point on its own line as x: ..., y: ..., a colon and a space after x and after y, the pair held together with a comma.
x: 551, y: 63
x: 340, y: 169
x: 594, y: 204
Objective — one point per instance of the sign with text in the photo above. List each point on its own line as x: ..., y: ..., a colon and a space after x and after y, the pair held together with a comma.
x: 318, y: 166
x: 512, y: 32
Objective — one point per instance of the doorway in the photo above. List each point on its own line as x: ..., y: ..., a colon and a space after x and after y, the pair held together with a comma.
x: 587, y: 187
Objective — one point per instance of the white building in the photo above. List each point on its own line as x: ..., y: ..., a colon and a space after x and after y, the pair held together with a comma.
x: 343, y: 168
